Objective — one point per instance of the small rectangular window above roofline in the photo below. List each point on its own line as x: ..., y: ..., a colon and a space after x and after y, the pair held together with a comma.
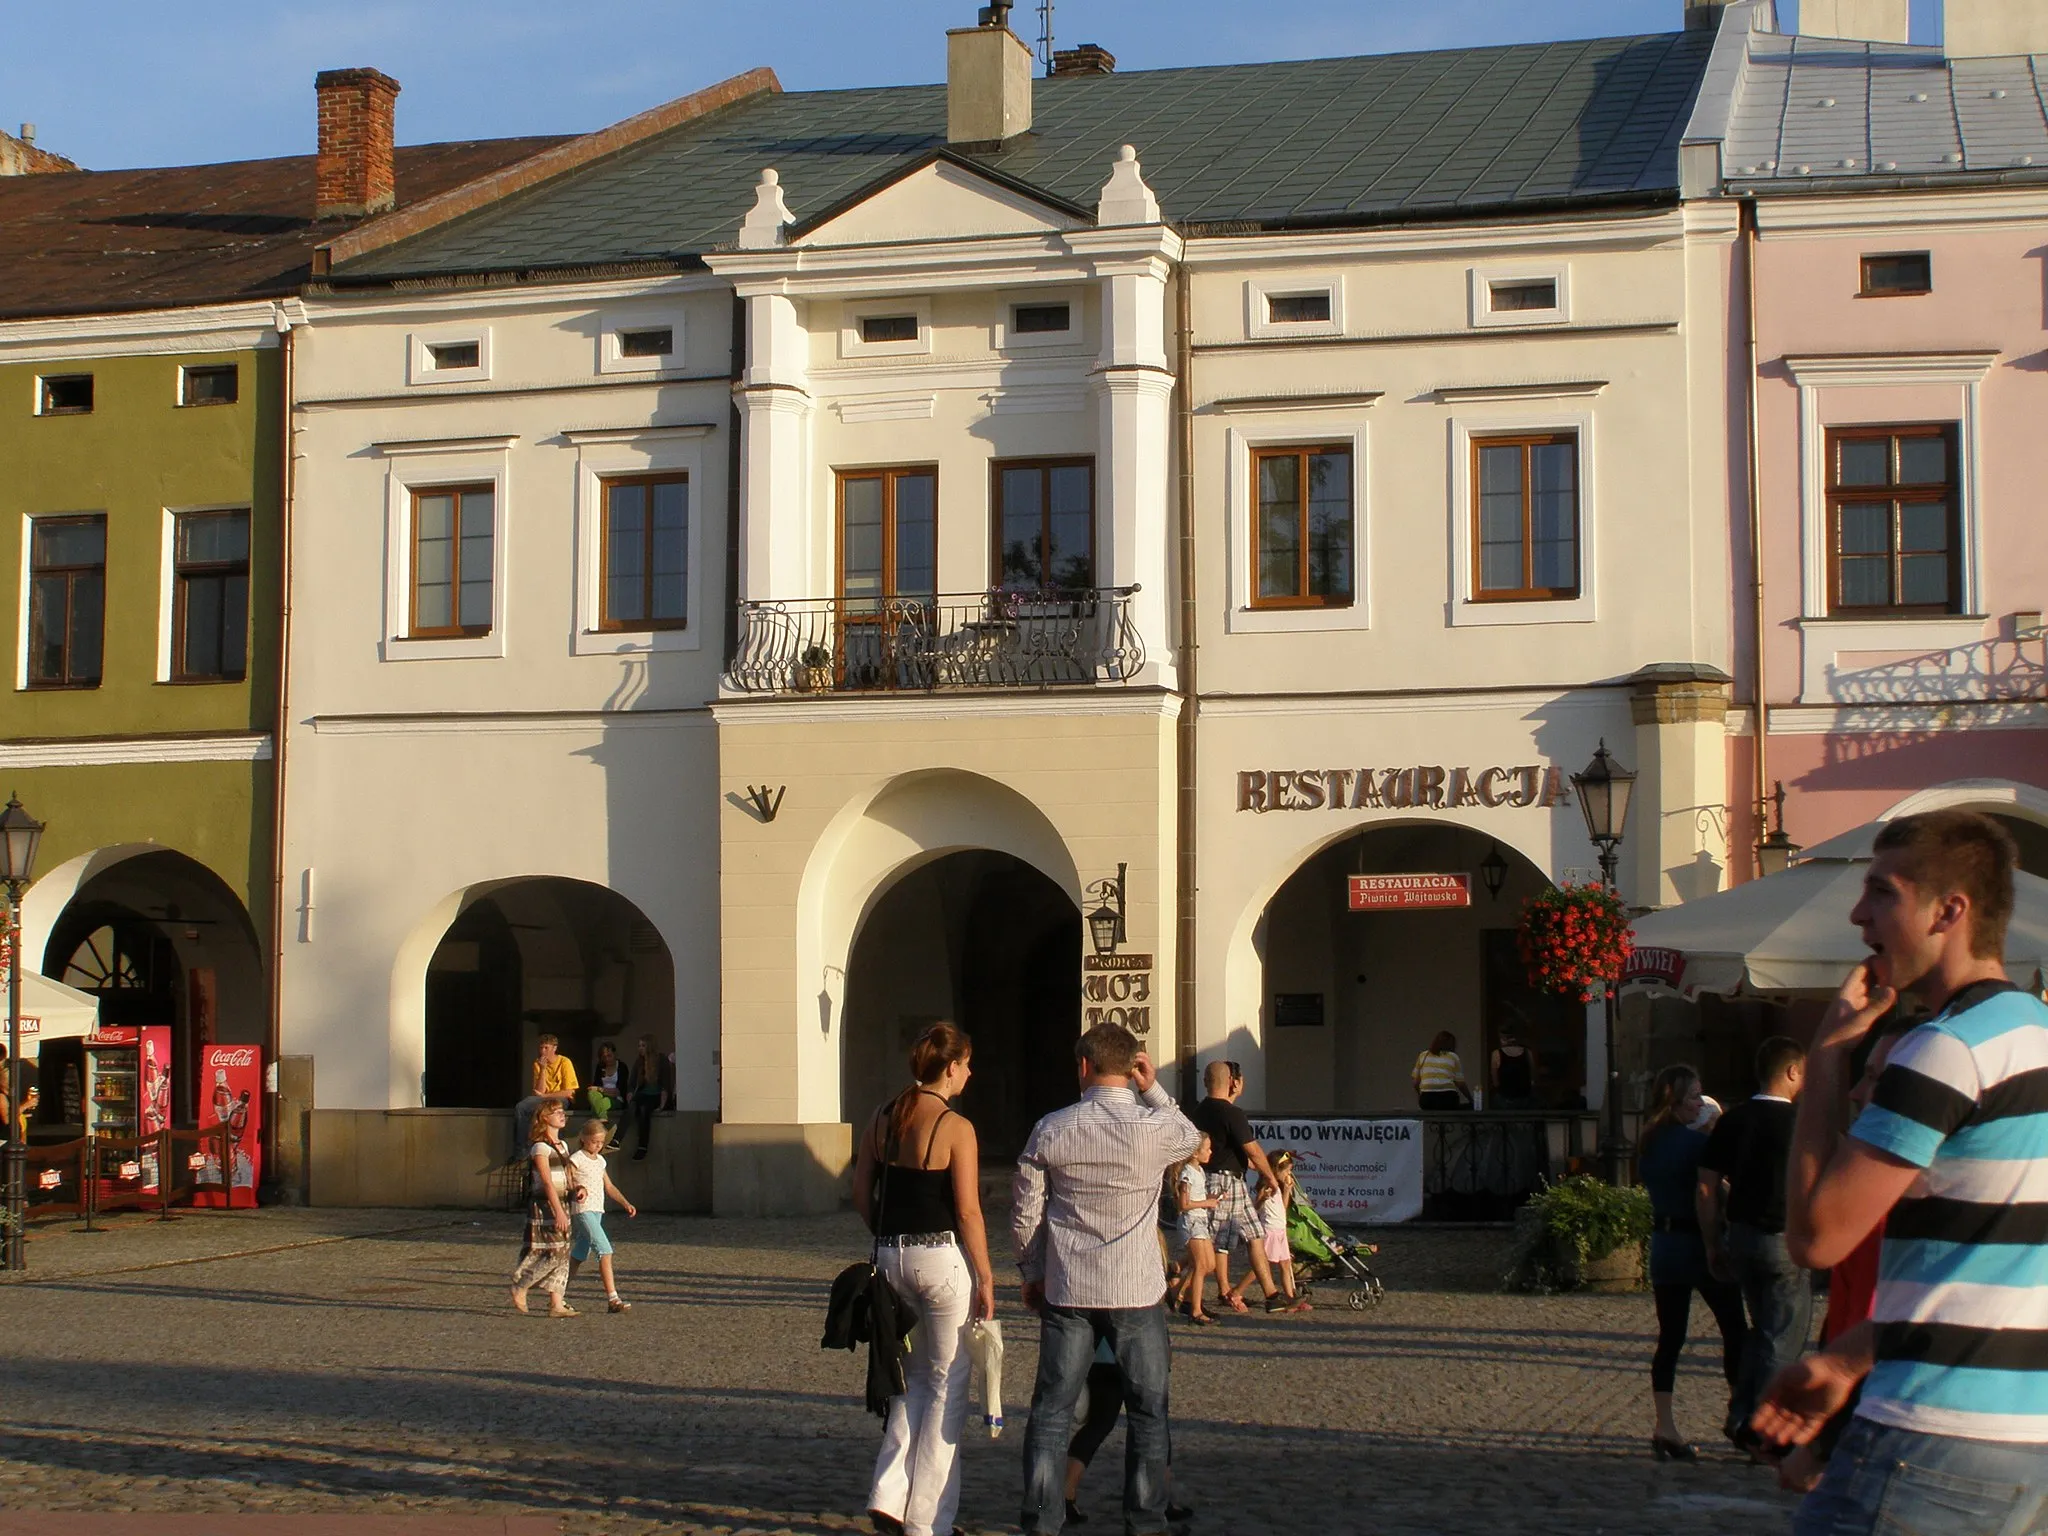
x: 1294, y: 305
x: 1515, y: 296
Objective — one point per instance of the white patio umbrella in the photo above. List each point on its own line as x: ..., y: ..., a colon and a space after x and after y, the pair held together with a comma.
x: 49, y: 1011
x: 1790, y: 932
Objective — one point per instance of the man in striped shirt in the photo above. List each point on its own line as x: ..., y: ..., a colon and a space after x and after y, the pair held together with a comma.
x: 1950, y: 1435
x: 1086, y: 1228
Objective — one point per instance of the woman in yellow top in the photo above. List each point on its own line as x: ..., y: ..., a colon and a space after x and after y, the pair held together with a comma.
x: 1440, y: 1076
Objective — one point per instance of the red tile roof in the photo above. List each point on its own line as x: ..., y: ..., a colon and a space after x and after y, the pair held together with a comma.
x: 97, y: 242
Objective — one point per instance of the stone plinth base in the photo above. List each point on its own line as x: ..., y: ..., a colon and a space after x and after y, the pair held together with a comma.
x: 780, y: 1170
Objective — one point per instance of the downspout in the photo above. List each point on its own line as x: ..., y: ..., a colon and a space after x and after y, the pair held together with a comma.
x: 273, y: 1041
x: 1760, y: 777
x: 1185, y: 806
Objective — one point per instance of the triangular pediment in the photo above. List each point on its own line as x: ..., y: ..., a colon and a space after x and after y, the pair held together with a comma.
x: 939, y: 199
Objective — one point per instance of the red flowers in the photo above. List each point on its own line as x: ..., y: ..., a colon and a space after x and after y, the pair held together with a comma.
x: 1574, y: 939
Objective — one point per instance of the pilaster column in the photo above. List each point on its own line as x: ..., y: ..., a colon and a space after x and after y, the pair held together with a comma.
x: 775, y: 451
x: 1679, y: 843
x: 1134, y: 477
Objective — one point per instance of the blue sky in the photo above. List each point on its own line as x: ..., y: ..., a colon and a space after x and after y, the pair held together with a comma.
x: 115, y: 83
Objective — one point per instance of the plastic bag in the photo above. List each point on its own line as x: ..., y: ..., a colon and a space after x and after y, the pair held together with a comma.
x: 985, y: 1352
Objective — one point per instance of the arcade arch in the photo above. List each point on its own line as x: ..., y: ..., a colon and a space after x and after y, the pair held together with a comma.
x: 2022, y: 809
x: 1347, y: 999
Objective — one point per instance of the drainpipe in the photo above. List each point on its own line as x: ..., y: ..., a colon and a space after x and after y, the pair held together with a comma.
x: 1185, y: 807
x: 273, y: 1037
x: 1760, y: 778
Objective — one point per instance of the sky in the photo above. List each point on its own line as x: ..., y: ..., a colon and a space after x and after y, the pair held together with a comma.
x: 117, y: 83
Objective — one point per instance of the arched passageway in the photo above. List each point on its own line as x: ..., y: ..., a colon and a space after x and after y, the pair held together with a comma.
x: 161, y: 942
x: 539, y: 956
x: 1350, y: 997
x: 983, y: 939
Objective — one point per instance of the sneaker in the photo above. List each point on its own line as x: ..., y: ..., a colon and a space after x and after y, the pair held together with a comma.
x: 613, y: 1304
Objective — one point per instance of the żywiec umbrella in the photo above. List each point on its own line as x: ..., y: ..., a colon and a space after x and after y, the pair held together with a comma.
x: 1790, y: 932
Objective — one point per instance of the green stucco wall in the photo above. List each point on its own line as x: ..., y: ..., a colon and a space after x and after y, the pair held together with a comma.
x: 135, y: 456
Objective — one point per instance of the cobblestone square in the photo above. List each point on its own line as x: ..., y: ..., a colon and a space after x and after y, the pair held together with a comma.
x: 366, y: 1363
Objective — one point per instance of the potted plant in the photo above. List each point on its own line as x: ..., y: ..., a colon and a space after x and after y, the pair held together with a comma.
x: 814, y: 670
x: 1575, y: 940
x: 1581, y: 1233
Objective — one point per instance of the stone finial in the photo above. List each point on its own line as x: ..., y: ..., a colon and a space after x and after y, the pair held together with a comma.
x: 769, y: 216
x: 1125, y: 198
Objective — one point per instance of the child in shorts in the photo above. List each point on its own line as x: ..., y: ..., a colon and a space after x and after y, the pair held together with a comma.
x: 590, y: 1183
x: 1197, y: 1226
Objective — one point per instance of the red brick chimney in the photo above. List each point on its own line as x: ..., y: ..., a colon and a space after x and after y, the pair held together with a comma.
x: 353, y: 174
x: 1088, y: 59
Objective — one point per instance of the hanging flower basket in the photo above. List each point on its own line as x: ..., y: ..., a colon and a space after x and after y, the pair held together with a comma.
x: 1574, y: 939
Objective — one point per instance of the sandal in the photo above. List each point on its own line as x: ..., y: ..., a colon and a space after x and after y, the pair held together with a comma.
x: 1202, y: 1320
x: 564, y: 1312
x: 1236, y: 1302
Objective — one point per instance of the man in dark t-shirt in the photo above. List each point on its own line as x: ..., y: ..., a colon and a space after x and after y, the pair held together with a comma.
x: 1233, y: 1149
x: 1742, y: 1218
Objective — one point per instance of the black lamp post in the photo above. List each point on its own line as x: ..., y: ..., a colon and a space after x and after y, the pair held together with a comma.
x: 20, y: 834
x: 1604, y: 790
x: 1776, y: 851
x: 1106, y: 922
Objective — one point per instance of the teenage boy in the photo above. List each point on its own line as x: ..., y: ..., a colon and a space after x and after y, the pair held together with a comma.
x: 1951, y: 1430
x: 553, y: 1078
x: 1741, y: 1208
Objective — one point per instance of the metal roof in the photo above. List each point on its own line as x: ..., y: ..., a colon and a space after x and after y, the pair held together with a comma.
x: 1321, y: 141
x: 1813, y: 109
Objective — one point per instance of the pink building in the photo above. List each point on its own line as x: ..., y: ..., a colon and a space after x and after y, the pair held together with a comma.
x: 1895, y: 224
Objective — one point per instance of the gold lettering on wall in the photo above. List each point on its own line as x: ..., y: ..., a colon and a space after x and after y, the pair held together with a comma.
x: 1427, y: 786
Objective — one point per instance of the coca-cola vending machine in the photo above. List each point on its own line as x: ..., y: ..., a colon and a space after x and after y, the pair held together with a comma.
x: 231, y: 1094
x: 128, y: 1082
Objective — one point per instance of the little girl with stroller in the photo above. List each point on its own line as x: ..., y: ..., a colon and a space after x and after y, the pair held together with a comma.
x: 1276, y: 1198
x: 1197, y: 1229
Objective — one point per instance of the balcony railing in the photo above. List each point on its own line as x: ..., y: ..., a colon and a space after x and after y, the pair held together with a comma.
x: 920, y: 644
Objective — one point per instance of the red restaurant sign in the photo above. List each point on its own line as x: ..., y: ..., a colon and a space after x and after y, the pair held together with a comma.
x: 1392, y: 893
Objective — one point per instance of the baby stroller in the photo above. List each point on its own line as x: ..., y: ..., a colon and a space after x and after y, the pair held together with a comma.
x: 1320, y: 1254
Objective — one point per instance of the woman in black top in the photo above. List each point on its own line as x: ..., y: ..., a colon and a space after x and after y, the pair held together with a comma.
x: 917, y: 1184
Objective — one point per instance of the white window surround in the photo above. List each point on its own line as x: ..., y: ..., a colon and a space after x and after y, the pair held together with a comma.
x: 1240, y: 444
x: 421, y: 466
x: 1483, y: 280
x: 1962, y: 371
x: 1465, y: 611
x: 1007, y: 339
x: 420, y: 369
x: 601, y: 454
x: 186, y: 369
x: 1823, y: 642
x: 1259, y: 291
x: 612, y: 323
x: 850, y: 344
x: 167, y: 587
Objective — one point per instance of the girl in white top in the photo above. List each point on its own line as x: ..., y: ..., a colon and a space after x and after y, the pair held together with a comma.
x: 1197, y: 1228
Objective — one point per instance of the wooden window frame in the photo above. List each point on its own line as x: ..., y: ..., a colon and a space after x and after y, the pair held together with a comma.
x: 456, y: 630
x: 995, y: 501
x: 1950, y: 491
x: 1307, y: 600
x: 651, y: 478
x: 71, y: 573
x: 1864, y: 290
x: 888, y: 474
x: 180, y: 570
x: 185, y: 376
x: 45, y: 408
x: 1528, y: 593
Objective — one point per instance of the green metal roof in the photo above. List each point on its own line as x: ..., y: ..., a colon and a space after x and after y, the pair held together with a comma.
x: 1321, y: 141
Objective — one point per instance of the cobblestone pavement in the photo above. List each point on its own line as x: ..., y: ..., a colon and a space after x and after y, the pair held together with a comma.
x: 366, y: 1363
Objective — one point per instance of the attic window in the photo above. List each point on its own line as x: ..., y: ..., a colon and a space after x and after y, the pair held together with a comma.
x: 1896, y: 273
x: 1519, y: 297
x: 877, y: 330
x: 653, y: 342
x: 443, y: 356
x: 1298, y: 308
x: 64, y: 394
x: 1041, y: 319
x: 219, y: 385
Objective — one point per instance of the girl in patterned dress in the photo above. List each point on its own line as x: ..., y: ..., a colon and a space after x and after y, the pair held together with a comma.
x: 544, y: 1256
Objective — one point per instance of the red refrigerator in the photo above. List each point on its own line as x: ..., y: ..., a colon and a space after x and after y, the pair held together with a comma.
x: 231, y: 1094
x: 128, y: 1083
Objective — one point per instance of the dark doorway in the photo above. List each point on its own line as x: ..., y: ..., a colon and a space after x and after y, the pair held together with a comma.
x: 1552, y: 1028
x: 987, y: 941
x: 121, y: 958
x: 473, y: 1014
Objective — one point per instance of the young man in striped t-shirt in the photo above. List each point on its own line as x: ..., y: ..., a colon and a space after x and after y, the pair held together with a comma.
x: 1950, y: 1435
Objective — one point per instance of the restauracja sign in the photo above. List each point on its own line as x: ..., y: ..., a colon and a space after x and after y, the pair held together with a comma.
x: 1380, y: 789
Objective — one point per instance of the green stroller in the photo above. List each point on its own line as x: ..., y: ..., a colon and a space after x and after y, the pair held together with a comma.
x: 1319, y: 1253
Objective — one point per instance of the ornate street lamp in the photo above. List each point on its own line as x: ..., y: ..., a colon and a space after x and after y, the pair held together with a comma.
x: 1106, y: 922
x: 1493, y: 872
x: 1775, y: 852
x: 1604, y: 790
x: 20, y: 835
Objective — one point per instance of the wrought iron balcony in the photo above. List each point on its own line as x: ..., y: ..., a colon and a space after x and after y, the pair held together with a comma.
x: 991, y: 639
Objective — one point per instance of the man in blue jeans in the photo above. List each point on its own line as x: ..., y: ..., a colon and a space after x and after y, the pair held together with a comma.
x: 1748, y: 1153
x: 1085, y: 1224
x: 1944, y: 1391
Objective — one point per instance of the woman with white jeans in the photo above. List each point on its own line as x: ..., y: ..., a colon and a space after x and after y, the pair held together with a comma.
x: 917, y: 1184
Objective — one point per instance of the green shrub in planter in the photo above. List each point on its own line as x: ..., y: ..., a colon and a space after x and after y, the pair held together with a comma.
x: 1580, y: 1231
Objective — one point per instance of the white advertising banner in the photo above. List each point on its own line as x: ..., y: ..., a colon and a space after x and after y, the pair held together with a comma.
x: 1355, y: 1172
